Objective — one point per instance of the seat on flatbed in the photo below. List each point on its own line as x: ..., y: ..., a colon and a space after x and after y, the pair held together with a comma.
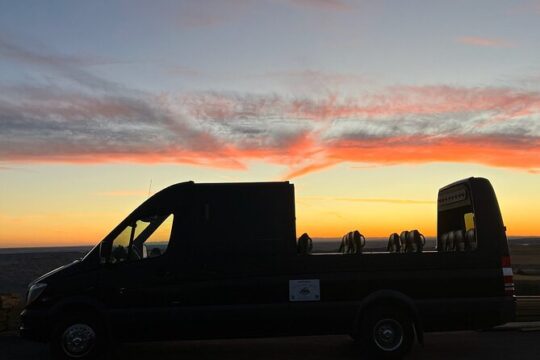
x: 394, y: 243
x: 459, y: 240
x: 412, y: 241
x: 352, y: 243
x: 451, y: 244
x: 305, y: 244
x: 442, y: 241
x: 470, y: 240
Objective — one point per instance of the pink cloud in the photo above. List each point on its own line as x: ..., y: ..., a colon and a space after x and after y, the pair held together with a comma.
x: 406, y: 124
x: 483, y: 41
x: 339, y: 5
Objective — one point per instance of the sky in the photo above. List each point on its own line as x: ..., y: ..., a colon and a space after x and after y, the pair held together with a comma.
x: 368, y: 107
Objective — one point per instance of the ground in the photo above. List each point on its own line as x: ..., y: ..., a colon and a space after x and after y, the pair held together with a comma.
x: 493, y: 345
x: 505, y: 344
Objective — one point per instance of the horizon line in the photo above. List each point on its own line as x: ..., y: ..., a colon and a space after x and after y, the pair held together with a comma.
x: 315, y: 238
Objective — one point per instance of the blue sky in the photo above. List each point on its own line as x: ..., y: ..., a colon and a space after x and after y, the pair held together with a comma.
x: 252, y: 46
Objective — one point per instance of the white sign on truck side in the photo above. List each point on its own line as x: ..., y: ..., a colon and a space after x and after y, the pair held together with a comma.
x: 304, y: 290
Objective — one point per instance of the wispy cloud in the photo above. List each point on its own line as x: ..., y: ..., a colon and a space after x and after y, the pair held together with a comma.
x: 211, y: 13
x: 388, y: 201
x: 184, y: 71
x: 15, y: 168
x: 528, y: 7
x: 99, y: 121
x: 8, y: 168
x: 484, y: 42
x: 41, y: 125
x: 124, y: 193
x: 494, y: 126
x: 317, y: 81
x: 335, y: 5
x: 69, y: 67
x: 371, y: 200
x: 199, y: 14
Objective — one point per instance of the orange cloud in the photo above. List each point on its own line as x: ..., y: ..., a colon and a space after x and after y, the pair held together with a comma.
x: 407, y: 124
x: 496, y: 152
x: 391, y: 151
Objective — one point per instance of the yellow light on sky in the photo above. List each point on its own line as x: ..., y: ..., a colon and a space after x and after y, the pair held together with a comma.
x: 368, y: 120
x: 47, y: 205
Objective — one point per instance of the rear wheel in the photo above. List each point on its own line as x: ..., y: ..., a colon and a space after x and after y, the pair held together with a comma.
x: 78, y: 336
x: 387, y: 333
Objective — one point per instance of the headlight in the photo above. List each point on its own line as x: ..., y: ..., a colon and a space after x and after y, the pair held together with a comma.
x: 34, y: 292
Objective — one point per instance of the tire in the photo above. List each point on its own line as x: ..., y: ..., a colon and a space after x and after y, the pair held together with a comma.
x: 78, y: 336
x: 387, y: 333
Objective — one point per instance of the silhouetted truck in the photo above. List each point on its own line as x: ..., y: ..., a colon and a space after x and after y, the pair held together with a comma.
x: 199, y: 261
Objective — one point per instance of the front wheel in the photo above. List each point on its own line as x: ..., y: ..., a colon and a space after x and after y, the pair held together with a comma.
x: 78, y: 337
x: 387, y: 333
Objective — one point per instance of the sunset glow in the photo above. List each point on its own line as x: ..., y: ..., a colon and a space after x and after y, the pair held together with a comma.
x: 368, y: 108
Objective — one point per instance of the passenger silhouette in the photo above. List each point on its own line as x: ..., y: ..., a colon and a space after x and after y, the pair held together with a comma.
x: 155, y: 252
x: 119, y: 254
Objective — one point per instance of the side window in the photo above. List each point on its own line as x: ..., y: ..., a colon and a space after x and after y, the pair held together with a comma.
x: 470, y: 232
x: 157, y: 242
x: 469, y: 221
x: 145, y: 238
x: 456, y: 230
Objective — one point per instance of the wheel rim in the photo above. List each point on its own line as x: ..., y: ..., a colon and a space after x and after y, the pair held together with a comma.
x: 78, y: 340
x: 388, y: 334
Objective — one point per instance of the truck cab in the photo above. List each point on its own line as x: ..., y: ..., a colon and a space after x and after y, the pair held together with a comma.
x: 204, y: 261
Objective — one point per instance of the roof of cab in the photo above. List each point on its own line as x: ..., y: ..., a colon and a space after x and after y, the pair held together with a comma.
x: 178, y: 186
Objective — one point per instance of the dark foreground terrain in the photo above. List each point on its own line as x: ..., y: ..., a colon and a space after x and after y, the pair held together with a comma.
x: 493, y: 345
x: 19, y: 268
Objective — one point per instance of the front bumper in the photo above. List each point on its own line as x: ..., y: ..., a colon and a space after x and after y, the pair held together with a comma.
x: 35, y: 325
